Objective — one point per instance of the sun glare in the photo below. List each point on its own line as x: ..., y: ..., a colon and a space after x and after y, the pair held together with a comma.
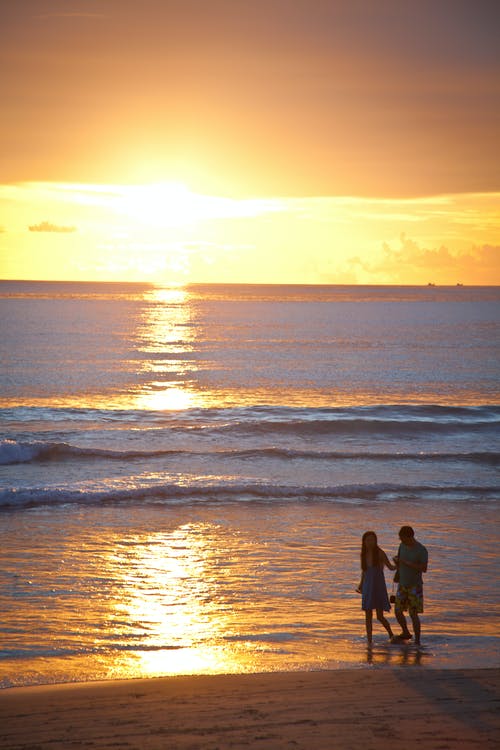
x: 171, y: 398
x: 162, y: 205
x: 173, y: 204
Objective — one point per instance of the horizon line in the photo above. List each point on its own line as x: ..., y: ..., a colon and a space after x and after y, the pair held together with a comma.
x: 428, y: 285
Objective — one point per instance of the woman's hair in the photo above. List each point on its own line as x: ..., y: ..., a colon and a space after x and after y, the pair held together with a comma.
x: 376, y: 550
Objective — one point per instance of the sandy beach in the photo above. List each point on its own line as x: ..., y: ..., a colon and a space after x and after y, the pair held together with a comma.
x: 436, y: 709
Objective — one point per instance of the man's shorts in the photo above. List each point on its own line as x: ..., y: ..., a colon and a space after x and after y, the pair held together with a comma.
x: 410, y: 598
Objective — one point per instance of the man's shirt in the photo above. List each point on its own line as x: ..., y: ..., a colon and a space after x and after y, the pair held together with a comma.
x: 417, y: 554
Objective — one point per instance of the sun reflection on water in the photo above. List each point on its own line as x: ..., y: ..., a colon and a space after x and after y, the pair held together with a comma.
x: 167, y: 324
x: 172, y: 398
x: 167, y: 336
x: 171, y: 602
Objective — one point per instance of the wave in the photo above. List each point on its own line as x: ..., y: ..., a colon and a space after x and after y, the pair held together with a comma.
x: 428, y: 415
x: 358, y: 428
x: 14, y: 452
x: 224, y: 493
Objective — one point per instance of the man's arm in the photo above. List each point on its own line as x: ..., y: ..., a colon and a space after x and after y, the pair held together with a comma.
x: 420, y: 566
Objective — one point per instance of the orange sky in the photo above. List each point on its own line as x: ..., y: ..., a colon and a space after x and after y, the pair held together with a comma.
x: 289, y: 100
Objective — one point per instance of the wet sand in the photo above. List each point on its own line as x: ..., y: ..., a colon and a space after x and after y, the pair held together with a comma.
x: 370, y: 708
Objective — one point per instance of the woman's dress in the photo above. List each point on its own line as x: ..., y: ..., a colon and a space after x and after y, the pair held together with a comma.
x: 374, y: 590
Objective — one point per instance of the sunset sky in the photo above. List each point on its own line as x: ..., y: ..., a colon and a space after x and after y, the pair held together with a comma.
x: 308, y: 141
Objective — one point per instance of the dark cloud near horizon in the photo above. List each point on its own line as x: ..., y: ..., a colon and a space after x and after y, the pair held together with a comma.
x: 46, y: 226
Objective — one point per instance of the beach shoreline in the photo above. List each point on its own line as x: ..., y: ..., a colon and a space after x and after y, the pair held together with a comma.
x: 435, y: 708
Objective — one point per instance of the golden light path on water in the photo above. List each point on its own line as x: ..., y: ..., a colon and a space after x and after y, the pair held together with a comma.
x: 170, y: 593
x: 168, y: 337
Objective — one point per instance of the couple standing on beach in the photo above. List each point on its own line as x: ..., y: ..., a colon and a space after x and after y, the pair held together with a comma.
x: 410, y: 563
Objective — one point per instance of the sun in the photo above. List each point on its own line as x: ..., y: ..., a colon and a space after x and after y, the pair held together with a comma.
x: 160, y: 205
x: 172, y: 204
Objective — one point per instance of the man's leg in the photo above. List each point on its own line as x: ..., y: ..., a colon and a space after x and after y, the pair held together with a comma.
x: 405, y: 633
x: 416, y: 625
x: 402, y: 603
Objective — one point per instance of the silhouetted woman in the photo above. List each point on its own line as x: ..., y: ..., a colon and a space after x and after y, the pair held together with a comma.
x: 372, y: 585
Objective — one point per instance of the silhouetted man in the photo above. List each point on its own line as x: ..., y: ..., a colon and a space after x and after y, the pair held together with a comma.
x: 412, y: 562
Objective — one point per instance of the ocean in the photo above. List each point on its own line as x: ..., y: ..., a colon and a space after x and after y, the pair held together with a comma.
x: 186, y: 474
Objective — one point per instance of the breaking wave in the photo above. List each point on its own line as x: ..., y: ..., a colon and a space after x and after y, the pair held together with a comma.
x: 14, y: 452
x: 221, y: 493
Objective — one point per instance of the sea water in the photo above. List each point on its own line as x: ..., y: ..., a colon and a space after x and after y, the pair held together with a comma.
x: 186, y: 473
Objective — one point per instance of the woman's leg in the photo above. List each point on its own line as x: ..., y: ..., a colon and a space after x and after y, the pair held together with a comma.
x: 384, y: 622
x: 368, y: 623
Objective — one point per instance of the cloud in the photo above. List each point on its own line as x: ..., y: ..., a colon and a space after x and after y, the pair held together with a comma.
x: 46, y: 226
x: 411, y: 263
